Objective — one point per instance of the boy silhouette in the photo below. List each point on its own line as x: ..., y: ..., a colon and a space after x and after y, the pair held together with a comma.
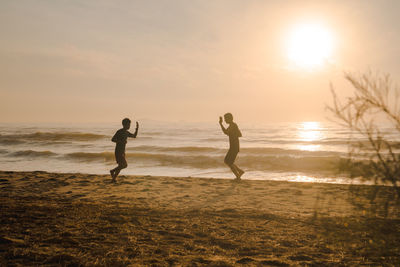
x: 234, y: 133
x: 120, y: 138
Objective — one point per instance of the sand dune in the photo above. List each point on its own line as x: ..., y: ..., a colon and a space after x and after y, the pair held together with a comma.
x: 82, y: 219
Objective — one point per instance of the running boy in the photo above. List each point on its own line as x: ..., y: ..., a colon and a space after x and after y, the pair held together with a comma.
x: 234, y: 133
x: 120, y: 138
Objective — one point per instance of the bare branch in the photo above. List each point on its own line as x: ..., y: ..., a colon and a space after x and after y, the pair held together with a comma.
x: 374, y: 98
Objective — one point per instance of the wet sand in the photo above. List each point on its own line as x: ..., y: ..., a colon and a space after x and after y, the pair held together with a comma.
x: 82, y: 219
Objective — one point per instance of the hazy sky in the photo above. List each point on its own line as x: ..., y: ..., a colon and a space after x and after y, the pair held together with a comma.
x: 94, y: 61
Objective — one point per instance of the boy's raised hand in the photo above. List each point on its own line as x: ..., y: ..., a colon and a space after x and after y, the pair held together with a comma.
x: 137, y: 125
x: 220, y: 120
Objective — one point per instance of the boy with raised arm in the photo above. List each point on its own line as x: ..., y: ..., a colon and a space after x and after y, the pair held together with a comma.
x: 120, y: 138
x: 234, y: 133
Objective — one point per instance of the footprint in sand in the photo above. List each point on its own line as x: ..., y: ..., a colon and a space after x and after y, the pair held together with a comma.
x: 64, y: 183
x: 78, y: 196
x: 245, y: 260
x: 131, y: 183
x: 300, y: 258
x: 202, y: 261
x: 274, y: 263
x: 84, y: 182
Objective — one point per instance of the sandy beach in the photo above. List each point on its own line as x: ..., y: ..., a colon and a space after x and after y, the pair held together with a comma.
x: 82, y: 219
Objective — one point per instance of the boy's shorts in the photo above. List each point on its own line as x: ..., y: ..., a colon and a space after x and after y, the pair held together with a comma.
x: 120, y: 158
x: 231, y: 156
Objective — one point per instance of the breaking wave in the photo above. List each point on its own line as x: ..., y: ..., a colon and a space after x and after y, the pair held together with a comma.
x: 245, y: 150
x: 32, y: 153
x: 305, y: 163
x: 189, y: 149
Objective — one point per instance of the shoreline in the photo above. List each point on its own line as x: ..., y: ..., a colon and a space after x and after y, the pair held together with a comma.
x: 74, y: 218
x: 318, y: 180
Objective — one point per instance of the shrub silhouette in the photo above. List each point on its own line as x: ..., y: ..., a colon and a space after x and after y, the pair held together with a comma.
x: 372, y: 114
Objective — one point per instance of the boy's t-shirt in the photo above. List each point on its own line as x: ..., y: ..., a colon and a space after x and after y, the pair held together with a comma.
x: 234, y: 134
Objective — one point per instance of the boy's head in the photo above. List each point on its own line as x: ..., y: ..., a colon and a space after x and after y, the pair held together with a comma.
x: 228, y: 118
x: 126, y: 123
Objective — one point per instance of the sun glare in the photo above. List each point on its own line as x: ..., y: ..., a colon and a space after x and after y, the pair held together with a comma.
x: 309, y: 132
x: 309, y: 46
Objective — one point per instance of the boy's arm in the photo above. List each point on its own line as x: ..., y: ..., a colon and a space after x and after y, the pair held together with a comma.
x: 239, y: 133
x: 136, y: 131
x: 115, y: 137
x: 222, y: 126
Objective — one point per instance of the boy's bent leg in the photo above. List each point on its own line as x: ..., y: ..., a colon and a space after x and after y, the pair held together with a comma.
x: 120, y: 157
x: 239, y: 171
x: 113, y: 172
x: 121, y: 165
x: 230, y: 159
x: 234, y: 170
x: 116, y: 172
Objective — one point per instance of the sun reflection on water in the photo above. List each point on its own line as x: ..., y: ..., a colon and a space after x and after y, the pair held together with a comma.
x: 309, y: 131
x: 308, y: 147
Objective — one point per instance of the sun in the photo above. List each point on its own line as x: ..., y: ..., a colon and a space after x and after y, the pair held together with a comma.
x: 309, y: 45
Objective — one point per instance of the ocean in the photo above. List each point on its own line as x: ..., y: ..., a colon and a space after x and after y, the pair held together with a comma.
x: 303, y: 151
